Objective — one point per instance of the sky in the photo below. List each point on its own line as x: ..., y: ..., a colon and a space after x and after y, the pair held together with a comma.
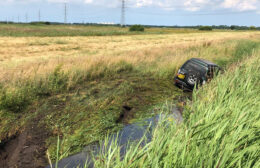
x: 148, y: 12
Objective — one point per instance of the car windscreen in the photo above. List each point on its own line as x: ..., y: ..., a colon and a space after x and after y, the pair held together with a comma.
x: 190, y: 66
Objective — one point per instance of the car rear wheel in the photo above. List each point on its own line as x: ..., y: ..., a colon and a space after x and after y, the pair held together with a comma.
x: 192, y: 79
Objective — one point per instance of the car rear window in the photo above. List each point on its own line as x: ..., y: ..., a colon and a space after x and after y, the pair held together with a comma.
x: 192, y: 66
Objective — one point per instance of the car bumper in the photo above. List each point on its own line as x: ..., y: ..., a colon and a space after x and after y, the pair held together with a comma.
x: 181, y: 84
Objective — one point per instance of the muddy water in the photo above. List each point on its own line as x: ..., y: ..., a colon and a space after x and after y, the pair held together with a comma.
x: 130, y: 133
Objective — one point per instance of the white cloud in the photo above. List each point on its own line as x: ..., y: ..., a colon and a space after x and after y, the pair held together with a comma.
x: 18, y: 1
x: 195, y: 5
x: 88, y: 1
x: 141, y: 3
x: 241, y: 5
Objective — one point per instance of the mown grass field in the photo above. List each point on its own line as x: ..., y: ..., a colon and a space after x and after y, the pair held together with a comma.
x: 77, y: 86
x: 221, y: 127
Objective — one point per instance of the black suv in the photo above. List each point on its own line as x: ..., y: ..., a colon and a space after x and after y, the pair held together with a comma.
x: 195, y: 72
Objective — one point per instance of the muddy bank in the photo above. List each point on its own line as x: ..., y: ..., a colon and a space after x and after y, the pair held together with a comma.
x: 27, y: 149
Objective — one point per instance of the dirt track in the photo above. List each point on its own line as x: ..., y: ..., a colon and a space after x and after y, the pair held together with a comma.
x: 27, y: 149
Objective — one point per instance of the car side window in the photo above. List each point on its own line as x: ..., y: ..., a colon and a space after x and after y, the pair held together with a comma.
x: 211, y: 72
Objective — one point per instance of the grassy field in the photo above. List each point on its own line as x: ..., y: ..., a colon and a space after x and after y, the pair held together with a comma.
x: 36, y: 55
x: 221, y: 127
x: 77, y: 86
x: 42, y: 30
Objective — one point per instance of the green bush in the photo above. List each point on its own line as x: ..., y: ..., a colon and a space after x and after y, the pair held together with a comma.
x: 233, y: 27
x: 252, y: 28
x: 136, y: 28
x: 14, y: 100
x: 205, y: 28
x: 54, y: 83
x: 58, y: 80
x: 40, y: 23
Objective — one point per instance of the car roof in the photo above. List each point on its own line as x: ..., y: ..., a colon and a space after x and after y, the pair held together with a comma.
x: 203, y: 61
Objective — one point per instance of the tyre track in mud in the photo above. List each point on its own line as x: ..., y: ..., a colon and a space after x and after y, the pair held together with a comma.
x: 27, y: 149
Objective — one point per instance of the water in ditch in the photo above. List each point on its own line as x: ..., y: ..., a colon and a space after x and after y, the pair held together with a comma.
x: 129, y: 133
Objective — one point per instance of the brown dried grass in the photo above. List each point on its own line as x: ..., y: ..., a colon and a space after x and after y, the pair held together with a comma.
x: 23, y: 57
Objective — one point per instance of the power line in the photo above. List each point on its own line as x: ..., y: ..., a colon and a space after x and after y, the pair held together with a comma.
x: 39, y: 15
x: 65, y: 13
x: 26, y: 18
x: 123, y: 13
x: 97, y: 11
x: 162, y: 7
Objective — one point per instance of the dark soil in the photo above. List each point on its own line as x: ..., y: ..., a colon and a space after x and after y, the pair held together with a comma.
x: 126, y: 114
x: 27, y: 149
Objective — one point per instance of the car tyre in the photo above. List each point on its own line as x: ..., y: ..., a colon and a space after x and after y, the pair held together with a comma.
x: 192, y: 79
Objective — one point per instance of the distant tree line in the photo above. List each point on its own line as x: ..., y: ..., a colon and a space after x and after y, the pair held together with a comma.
x: 232, y: 27
x: 206, y: 28
x: 136, y: 28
